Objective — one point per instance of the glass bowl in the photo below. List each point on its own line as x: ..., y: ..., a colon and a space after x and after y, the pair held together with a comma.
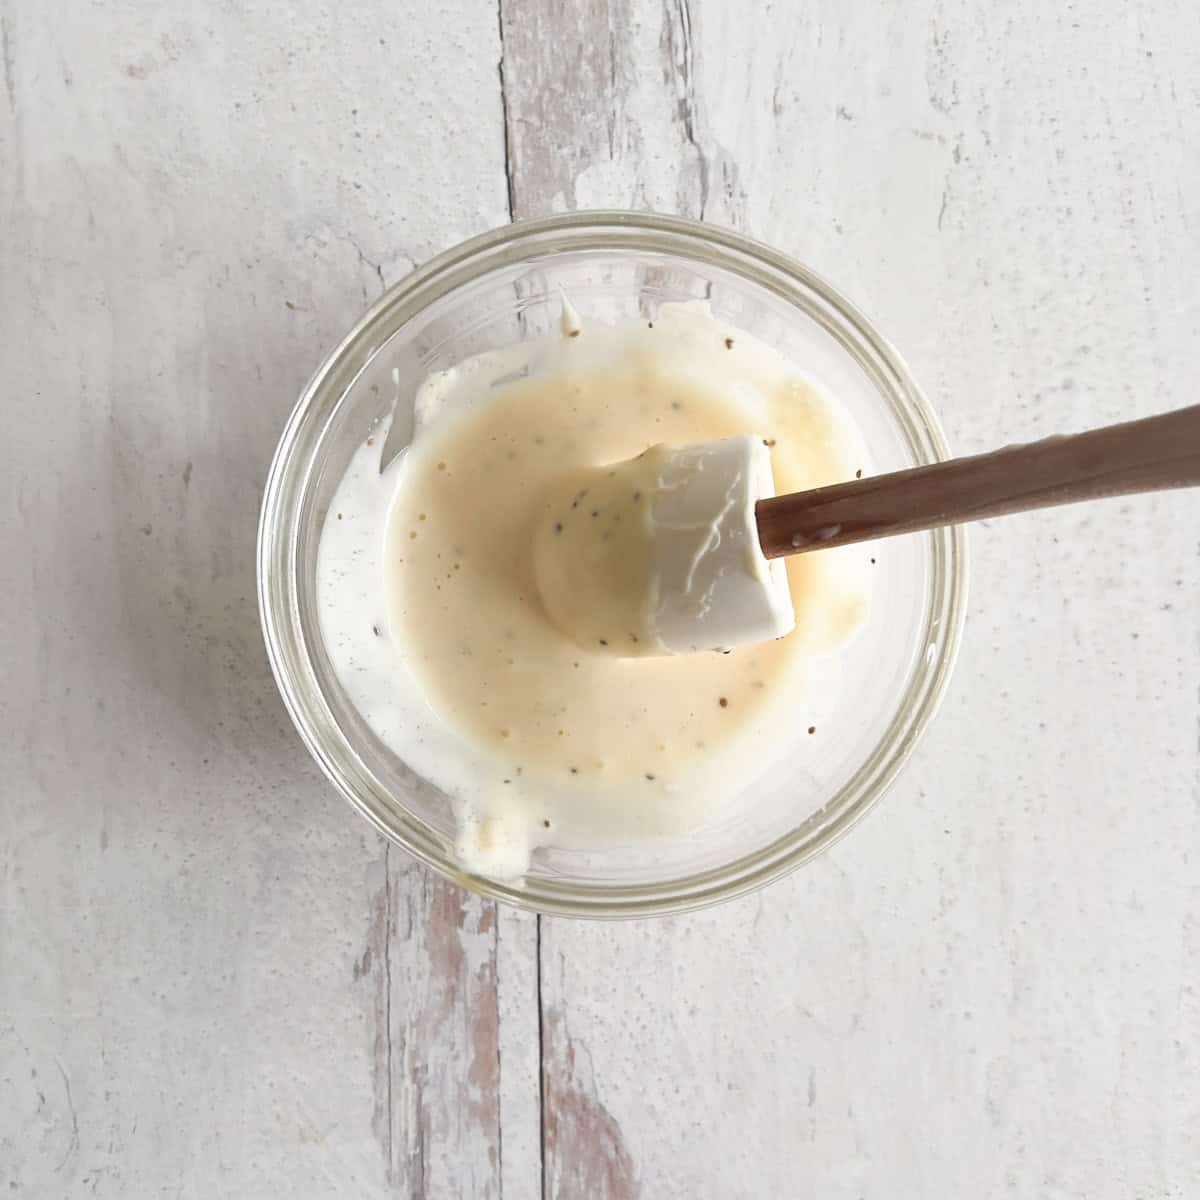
x: 504, y: 286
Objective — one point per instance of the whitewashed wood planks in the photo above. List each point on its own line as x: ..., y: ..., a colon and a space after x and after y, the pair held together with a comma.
x: 214, y: 981
x: 990, y: 988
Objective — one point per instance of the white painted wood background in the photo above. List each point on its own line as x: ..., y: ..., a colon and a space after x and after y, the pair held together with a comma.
x: 216, y: 982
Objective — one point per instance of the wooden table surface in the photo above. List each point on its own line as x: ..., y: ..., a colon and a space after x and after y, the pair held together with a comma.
x: 216, y: 981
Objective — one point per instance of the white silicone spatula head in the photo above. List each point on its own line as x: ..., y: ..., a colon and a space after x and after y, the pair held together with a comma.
x: 661, y: 555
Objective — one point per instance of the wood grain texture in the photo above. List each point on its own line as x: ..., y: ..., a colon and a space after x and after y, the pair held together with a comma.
x: 990, y: 989
x: 214, y: 981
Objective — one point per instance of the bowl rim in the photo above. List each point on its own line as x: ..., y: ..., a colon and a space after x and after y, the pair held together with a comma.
x: 280, y: 523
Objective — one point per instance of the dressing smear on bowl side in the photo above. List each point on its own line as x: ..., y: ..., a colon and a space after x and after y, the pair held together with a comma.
x: 433, y: 622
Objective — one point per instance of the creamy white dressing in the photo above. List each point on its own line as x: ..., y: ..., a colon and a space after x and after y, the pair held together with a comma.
x: 434, y: 623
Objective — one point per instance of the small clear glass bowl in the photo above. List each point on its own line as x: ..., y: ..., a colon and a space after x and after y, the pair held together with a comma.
x: 506, y: 285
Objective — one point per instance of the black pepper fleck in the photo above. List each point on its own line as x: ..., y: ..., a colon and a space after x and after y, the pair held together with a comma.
x: 723, y: 702
x: 574, y: 333
x: 812, y: 729
x: 604, y: 641
x: 729, y: 343
x: 558, y: 527
x: 649, y: 777
x: 858, y: 473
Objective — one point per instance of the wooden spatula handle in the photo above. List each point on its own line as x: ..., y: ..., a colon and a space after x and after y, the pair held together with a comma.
x: 1138, y: 456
